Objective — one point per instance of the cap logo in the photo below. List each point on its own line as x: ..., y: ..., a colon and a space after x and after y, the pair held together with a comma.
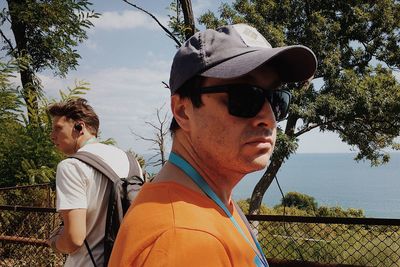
x: 250, y: 36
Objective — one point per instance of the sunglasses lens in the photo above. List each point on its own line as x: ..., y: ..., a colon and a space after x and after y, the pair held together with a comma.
x: 280, y: 101
x: 247, y: 101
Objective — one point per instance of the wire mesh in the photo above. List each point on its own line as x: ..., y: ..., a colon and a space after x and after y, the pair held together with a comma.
x: 24, y: 229
x: 353, y: 241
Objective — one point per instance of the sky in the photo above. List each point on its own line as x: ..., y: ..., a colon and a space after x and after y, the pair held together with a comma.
x: 126, y: 59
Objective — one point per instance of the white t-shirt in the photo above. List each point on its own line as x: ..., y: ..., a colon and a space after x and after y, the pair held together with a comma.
x: 79, y: 186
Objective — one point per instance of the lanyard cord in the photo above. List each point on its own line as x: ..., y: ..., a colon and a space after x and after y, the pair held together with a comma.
x: 202, y: 184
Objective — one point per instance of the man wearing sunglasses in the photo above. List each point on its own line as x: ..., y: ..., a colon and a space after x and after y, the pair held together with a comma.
x: 226, y: 102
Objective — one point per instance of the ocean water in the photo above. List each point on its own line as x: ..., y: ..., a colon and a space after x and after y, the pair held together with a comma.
x: 335, y: 180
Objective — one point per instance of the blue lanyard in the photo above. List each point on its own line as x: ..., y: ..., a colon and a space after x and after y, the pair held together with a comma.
x: 202, y: 184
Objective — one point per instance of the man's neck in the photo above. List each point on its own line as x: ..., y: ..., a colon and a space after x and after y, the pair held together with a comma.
x: 85, y: 139
x: 220, y: 181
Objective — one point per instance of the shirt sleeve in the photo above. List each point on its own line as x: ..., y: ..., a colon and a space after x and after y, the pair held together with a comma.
x: 182, y: 248
x: 71, y: 184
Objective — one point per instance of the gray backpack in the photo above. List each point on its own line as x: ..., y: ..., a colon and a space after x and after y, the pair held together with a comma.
x: 123, y: 191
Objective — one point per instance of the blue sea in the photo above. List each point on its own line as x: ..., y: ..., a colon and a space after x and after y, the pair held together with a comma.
x: 335, y: 180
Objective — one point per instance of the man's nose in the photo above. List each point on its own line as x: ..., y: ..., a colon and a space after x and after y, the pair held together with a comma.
x: 266, y: 116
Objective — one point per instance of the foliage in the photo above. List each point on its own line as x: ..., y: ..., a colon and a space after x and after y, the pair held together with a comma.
x: 26, y: 159
x: 80, y: 89
x: 27, y: 155
x: 30, y: 196
x: 182, y: 22
x: 244, y: 206
x: 325, y: 211
x: 9, y: 101
x: 354, y: 92
x: 52, y: 31
x: 44, y: 36
x: 330, y: 244
x: 28, y: 224
x: 294, y: 202
x: 176, y: 22
x: 227, y: 15
x: 298, y: 204
x: 300, y: 201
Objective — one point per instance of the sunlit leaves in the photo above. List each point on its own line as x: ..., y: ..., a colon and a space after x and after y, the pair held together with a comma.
x: 350, y: 40
x: 27, y: 155
x: 355, y: 93
x: 52, y: 30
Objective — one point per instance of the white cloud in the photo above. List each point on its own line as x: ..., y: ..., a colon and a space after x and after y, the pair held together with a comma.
x: 127, y: 19
x: 124, y: 99
x: 201, y: 6
x: 90, y: 44
x: 52, y: 84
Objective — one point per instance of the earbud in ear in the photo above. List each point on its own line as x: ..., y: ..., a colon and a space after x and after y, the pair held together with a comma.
x: 78, y: 127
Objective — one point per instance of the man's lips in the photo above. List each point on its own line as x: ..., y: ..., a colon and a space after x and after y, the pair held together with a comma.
x: 260, y: 141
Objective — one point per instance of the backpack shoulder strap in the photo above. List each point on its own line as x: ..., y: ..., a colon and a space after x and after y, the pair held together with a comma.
x: 94, y: 161
x: 134, y: 167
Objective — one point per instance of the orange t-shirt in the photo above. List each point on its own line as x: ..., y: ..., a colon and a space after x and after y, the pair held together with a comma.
x: 171, y: 225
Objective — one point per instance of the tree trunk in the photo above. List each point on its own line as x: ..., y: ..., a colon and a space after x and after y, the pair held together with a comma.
x: 188, y: 17
x: 30, y: 88
x: 262, y: 186
x: 273, y: 168
x: 30, y: 92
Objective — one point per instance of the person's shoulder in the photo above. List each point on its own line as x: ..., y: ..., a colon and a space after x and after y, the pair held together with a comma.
x: 105, y: 151
x: 100, y: 147
x: 167, y: 200
x: 191, y: 248
x: 73, y: 167
x: 68, y: 162
x: 152, y: 197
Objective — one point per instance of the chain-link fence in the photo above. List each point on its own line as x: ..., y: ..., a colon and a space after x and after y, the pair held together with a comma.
x: 353, y: 241
x: 27, y: 217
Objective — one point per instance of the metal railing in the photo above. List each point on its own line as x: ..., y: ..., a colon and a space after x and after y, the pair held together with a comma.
x: 352, y: 241
x: 285, y: 239
x: 24, y: 229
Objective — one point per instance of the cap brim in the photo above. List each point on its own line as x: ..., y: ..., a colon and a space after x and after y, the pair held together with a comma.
x: 296, y: 63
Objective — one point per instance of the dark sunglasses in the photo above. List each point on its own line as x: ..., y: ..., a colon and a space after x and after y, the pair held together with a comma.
x: 246, y: 101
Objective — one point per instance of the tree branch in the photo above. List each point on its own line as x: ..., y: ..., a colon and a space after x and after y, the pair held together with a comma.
x: 158, y: 22
x: 166, y: 85
x: 152, y: 125
x: 313, y: 126
x: 188, y: 17
x: 307, y: 129
x: 143, y: 138
x: 7, y: 41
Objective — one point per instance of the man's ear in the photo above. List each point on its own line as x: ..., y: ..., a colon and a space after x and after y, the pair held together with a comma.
x: 180, y: 108
x: 79, y: 126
